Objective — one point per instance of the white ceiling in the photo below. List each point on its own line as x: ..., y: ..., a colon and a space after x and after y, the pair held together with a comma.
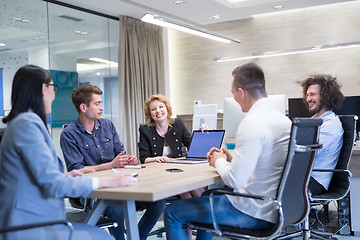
x: 197, y: 12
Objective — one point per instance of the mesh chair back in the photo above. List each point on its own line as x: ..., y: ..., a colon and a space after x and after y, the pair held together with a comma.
x: 340, y: 181
x: 292, y: 191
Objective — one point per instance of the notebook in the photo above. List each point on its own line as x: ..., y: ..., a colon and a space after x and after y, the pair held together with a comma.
x: 200, y: 144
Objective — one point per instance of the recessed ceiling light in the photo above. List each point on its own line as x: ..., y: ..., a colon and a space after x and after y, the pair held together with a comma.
x: 81, y: 32
x: 25, y: 20
x: 179, y: 2
x: 17, y: 19
x: 2, y: 44
x: 215, y: 16
x: 278, y: 7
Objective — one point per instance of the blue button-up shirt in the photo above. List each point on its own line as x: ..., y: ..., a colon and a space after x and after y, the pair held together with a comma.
x: 331, y: 136
x: 81, y: 148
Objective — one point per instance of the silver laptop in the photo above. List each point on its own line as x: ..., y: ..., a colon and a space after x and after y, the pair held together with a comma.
x: 200, y: 144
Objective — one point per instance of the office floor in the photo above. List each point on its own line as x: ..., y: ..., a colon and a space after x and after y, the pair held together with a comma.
x: 331, y: 226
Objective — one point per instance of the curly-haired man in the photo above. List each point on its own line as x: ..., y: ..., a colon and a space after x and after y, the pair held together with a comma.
x: 322, y: 95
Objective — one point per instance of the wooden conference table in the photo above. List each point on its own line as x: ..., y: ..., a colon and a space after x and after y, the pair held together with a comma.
x: 155, y: 183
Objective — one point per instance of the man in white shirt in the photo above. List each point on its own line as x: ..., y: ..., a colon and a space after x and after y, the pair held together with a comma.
x: 255, y: 167
x: 322, y: 95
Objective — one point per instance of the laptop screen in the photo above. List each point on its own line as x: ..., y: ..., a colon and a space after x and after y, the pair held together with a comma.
x: 202, y: 142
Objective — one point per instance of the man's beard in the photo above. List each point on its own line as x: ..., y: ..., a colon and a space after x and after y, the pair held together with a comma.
x: 316, y: 109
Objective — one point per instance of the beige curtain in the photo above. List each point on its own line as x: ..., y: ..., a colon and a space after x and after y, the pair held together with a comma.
x: 141, y: 74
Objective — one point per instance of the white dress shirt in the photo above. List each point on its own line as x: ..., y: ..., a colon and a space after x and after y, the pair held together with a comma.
x: 261, y: 148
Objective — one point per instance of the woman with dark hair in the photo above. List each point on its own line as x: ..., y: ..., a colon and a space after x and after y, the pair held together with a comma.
x: 32, y: 182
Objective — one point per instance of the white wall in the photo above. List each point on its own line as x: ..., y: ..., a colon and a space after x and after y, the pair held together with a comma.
x: 195, y: 76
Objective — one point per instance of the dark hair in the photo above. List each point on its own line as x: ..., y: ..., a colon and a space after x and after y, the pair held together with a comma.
x: 250, y: 77
x: 83, y: 94
x: 26, y: 92
x: 331, y: 96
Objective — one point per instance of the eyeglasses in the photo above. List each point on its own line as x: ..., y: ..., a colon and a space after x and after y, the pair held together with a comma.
x: 56, y: 87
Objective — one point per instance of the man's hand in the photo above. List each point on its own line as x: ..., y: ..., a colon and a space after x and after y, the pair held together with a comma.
x: 133, y: 160
x: 210, y: 153
x: 228, y: 154
x: 216, y: 153
x: 120, y: 160
x: 79, y: 172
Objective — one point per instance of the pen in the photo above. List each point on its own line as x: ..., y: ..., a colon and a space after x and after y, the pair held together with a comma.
x: 132, y: 178
x: 134, y: 166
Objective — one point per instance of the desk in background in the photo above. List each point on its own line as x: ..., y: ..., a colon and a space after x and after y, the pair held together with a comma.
x: 154, y: 184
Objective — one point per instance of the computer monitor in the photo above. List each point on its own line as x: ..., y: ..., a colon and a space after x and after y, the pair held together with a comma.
x: 279, y: 101
x: 205, y: 114
x: 297, y: 108
x: 232, y: 116
x: 350, y: 106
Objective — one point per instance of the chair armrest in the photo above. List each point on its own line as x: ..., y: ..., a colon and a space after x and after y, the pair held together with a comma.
x: 307, y: 148
x: 34, y: 225
x: 229, y: 192
x: 334, y: 171
x: 37, y: 225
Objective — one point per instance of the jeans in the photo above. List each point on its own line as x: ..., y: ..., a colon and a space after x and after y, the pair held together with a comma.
x: 178, y: 214
x: 146, y: 223
x: 85, y: 232
x: 315, y: 187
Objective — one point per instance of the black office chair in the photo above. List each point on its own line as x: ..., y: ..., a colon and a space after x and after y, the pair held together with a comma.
x: 5, y: 230
x: 291, y: 200
x: 340, y: 181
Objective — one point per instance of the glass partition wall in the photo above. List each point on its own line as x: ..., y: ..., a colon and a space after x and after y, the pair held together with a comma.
x: 77, y: 47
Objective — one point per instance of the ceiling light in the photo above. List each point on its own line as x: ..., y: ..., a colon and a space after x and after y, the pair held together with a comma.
x: 289, y: 52
x: 101, y: 60
x: 168, y: 23
x: 179, y: 2
x: 2, y: 44
x: 215, y: 16
x: 80, y: 32
x: 278, y: 7
x: 236, y: 1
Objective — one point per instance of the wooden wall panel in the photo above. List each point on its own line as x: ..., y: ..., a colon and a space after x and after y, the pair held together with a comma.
x: 195, y: 76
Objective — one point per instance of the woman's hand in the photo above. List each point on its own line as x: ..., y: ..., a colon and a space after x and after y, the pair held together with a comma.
x: 162, y: 159
x: 79, y: 172
x: 159, y: 159
x: 203, y: 127
x: 117, y: 180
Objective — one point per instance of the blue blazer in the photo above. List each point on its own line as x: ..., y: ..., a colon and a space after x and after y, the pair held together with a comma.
x: 32, y: 182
